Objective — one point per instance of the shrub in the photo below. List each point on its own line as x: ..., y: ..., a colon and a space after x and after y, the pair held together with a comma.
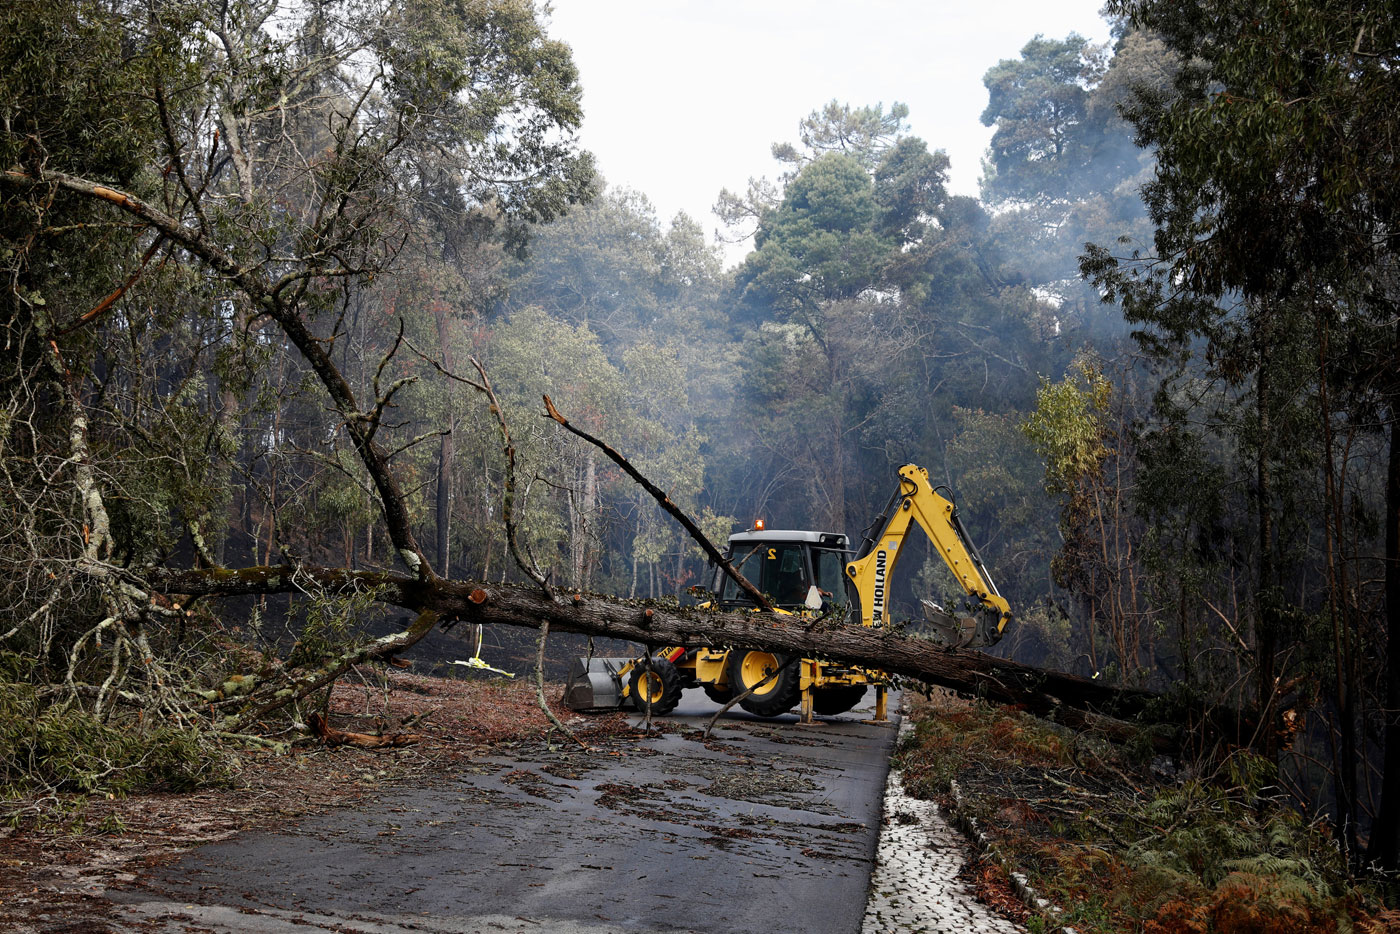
x: 61, y: 748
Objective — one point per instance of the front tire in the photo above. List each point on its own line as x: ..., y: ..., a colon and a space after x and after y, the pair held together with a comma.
x: 748, y: 667
x: 658, y: 688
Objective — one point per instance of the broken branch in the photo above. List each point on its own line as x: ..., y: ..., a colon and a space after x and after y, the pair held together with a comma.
x: 665, y: 501
x: 333, y: 737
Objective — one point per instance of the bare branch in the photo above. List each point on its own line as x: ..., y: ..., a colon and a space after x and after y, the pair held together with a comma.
x: 660, y: 496
x: 740, y: 698
x: 508, y: 500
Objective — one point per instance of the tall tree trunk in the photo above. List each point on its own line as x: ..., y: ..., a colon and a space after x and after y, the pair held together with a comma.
x: 1338, y: 605
x: 445, y: 450
x: 444, y: 503
x: 229, y: 416
x: 1265, y: 629
x: 575, y: 503
x: 1385, y: 832
x: 591, y: 519
x: 642, y: 503
x: 583, y: 509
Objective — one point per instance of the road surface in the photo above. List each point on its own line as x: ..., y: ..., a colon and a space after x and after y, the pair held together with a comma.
x: 771, y: 826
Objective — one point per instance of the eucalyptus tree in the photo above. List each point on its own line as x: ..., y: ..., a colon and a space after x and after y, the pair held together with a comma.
x: 615, y: 268
x: 240, y: 173
x: 1274, y: 203
x: 1063, y: 167
x: 648, y: 293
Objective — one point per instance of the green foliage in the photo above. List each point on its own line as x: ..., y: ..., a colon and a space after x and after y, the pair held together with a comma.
x: 819, y: 244
x: 1039, y: 105
x: 610, y: 267
x: 1068, y: 426
x: 909, y: 188
x: 329, y: 626
x: 1063, y: 167
x: 1277, y: 134
x: 170, y: 423
x: 863, y: 133
x: 1274, y: 203
x: 997, y: 478
x: 878, y: 321
x: 59, y: 94
x: 61, y: 748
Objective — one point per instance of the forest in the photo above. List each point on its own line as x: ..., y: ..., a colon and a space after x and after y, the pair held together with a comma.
x: 285, y: 284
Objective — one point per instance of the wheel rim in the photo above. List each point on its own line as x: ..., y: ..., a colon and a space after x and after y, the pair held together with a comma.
x: 649, y: 687
x: 755, y: 667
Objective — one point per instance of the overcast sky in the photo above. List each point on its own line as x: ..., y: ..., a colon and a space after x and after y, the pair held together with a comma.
x: 684, y: 97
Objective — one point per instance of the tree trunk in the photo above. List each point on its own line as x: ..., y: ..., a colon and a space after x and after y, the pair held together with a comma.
x: 1077, y: 702
x: 229, y: 415
x: 444, y: 503
x: 1339, y: 609
x: 590, y: 521
x: 445, y: 450
x: 1265, y: 629
x: 1384, y: 846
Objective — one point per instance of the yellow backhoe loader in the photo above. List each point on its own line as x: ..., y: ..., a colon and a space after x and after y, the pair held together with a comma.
x: 807, y: 574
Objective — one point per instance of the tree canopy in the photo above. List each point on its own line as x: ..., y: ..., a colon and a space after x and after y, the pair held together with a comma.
x: 285, y: 284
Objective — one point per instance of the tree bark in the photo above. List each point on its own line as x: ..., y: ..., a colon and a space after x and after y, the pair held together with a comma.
x: 444, y: 502
x: 1266, y: 626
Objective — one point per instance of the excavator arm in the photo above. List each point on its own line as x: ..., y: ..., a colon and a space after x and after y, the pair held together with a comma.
x: 872, y: 572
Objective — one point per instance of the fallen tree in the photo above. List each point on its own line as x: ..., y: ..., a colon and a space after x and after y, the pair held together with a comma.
x: 1119, y: 712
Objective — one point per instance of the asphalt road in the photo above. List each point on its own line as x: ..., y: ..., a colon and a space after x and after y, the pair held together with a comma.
x: 771, y: 826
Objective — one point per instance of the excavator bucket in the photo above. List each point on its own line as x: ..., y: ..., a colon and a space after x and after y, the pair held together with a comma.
x: 595, y: 684
x: 952, y: 631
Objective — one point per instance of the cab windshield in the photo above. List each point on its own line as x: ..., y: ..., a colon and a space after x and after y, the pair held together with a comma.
x: 777, y: 569
x: 830, y: 566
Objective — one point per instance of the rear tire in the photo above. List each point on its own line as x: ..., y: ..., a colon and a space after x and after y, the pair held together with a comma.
x: 720, y: 695
x: 748, y: 667
x: 659, y: 688
x: 830, y: 701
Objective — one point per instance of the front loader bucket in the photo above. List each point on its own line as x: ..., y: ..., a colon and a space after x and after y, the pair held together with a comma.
x: 595, y: 684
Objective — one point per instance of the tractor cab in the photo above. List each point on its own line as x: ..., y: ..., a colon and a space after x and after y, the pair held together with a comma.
x: 798, y: 570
